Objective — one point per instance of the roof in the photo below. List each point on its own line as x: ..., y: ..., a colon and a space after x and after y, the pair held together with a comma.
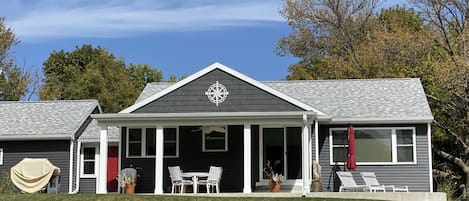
x: 228, y: 70
x: 44, y: 119
x: 153, y: 88
x: 91, y: 133
x: 361, y: 98
x: 386, y: 99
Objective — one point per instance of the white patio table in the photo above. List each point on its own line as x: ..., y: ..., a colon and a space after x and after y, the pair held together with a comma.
x: 195, y: 178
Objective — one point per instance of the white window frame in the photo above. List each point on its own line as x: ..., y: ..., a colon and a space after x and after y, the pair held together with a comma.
x: 393, y: 145
x: 82, y: 161
x: 1, y: 156
x: 143, y: 143
x: 204, y: 149
x: 177, y: 143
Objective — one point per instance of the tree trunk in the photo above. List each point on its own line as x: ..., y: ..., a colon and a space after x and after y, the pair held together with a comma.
x: 465, y: 194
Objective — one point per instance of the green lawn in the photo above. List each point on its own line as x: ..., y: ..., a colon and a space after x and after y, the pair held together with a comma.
x: 92, y: 197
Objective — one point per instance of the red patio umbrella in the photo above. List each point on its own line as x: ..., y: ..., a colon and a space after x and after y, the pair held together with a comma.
x: 351, y: 161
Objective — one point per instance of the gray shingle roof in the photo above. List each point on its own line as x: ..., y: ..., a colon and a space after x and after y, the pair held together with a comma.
x: 152, y: 88
x: 349, y: 98
x: 91, y: 133
x: 360, y: 98
x: 44, y: 118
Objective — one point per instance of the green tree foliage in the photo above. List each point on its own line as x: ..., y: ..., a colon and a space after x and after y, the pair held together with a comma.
x: 13, y: 79
x: 94, y: 73
x: 142, y: 74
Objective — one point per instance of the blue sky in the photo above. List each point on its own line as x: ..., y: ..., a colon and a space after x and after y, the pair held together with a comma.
x: 178, y: 37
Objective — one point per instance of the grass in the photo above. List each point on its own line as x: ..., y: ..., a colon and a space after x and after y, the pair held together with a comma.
x: 90, y: 197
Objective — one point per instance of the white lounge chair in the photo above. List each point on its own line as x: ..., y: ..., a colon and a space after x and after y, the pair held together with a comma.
x: 348, y: 183
x: 370, y: 179
x: 213, y: 180
x: 177, y: 180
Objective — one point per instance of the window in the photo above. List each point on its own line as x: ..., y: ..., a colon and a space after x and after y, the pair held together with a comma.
x: 141, y: 142
x: 1, y: 156
x: 215, y: 141
x: 375, y: 146
x: 88, y: 161
x: 171, y: 146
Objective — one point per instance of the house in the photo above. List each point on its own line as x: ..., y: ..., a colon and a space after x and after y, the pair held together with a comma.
x: 219, y: 116
x: 54, y: 130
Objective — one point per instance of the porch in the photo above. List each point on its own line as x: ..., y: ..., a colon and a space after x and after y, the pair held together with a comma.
x: 250, y: 140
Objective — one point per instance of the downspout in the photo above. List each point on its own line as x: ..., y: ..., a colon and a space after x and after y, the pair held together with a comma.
x: 77, y: 187
x: 70, y: 173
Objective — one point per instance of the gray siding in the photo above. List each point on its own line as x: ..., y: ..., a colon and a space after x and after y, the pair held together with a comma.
x: 87, y: 185
x: 57, y: 152
x: 242, y: 97
x: 416, y: 176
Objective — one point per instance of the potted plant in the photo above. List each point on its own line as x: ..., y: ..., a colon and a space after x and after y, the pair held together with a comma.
x: 275, y: 178
x: 127, y: 179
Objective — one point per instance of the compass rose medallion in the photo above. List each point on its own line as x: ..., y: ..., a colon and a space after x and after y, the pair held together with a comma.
x: 217, y: 93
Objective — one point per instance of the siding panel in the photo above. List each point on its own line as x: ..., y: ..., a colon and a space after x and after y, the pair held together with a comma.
x: 416, y: 176
x: 58, y: 153
x: 87, y: 185
x: 242, y: 97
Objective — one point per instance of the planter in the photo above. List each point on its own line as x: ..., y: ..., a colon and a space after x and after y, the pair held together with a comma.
x: 274, y: 186
x: 129, y: 188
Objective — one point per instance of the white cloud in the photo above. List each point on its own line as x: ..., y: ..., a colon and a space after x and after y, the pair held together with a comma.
x: 59, y: 19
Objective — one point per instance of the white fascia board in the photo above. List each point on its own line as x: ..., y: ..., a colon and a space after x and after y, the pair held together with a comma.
x: 385, y: 120
x: 208, y: 115
x: 228, y: 70
x: 35, y: 137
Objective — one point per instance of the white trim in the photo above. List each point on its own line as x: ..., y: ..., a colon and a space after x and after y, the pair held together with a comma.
x: 119, y: 165
x: 36, y: 137
x: 228, y: 70
x: 82, y: 161
x: 102, y: 174
x: 77, y: 154
x: 204, y: 149
x: 393, y: 146
x: 159, y: 152
x: 430, y: 159
x: 387, y: 120
x: 316, y: 140
x: 1, y: 156
x: 70, y: 175
x: 304, y: 153
x: 247, y: 158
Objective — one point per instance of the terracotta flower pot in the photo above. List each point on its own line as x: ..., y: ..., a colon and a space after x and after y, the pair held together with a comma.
x: 274, y: 186
x: 129, y: 188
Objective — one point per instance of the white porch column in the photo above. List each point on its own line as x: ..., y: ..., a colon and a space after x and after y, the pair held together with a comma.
x: 159, y: 160
x: 305, y: 155
x: 247, y: 158
x: 102, y: 174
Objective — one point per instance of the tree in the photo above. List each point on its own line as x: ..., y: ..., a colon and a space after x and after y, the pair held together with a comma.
x: 142, y: 74
x: 338, y: 39
x: 326, y: 35
x: 94, y: 73
x: 13, y: 79
x: 450, y: 95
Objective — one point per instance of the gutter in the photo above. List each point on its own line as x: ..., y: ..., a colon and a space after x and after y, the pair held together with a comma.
x: 35, y: 137
x: 77, y: 187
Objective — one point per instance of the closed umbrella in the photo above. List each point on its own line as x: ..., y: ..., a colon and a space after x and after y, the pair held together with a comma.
x: 351, y: 161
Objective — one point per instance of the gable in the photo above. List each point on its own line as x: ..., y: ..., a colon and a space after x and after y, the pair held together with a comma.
x: 242, y: 97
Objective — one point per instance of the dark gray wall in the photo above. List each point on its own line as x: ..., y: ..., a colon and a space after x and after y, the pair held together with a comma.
x: 58, y: 153
x: 416, y: 176
x: 87, y: 185
x: 191, y: 158
x: 242, y: 97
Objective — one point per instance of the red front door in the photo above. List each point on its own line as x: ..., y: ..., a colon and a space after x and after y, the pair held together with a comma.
x: 112, y: 168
